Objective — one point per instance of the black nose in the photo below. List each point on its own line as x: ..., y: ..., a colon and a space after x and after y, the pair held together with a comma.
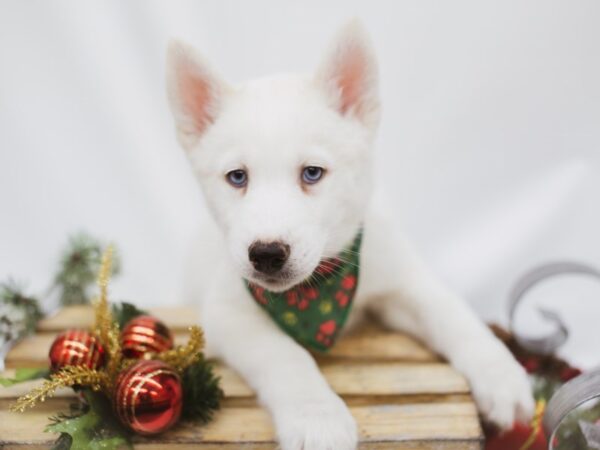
x: 268, y: 257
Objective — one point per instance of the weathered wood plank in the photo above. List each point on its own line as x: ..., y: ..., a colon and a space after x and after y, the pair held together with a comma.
x: 82, y: 316
x: 368, y: 342
x: 389, y: 345
x: 347, y: 379
x: 431, y: 426
x: 33, y: 350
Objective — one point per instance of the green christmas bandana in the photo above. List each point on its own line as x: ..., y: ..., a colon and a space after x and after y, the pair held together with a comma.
x: 314, y: 311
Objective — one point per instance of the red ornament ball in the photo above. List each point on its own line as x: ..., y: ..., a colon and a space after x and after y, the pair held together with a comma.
x: 148, y: 397
x: 76, y: 348
x: 516, y: 438
x: 145, y: 334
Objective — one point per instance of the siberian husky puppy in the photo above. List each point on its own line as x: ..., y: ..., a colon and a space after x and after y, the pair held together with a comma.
x: 285, y: 165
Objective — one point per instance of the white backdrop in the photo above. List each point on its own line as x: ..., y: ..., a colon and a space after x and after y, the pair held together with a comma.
x: 490, y: 141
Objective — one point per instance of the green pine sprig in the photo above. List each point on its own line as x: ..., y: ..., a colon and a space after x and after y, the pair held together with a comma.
x: 19, y: 313
x: 123, y: 312
x: 79, y: 266
x: 202, y: 393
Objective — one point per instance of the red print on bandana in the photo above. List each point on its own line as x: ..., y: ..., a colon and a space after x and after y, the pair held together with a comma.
x: 342, y: 298
x: 313, y: 311
x: 349, y: 282
x: 326, y: 332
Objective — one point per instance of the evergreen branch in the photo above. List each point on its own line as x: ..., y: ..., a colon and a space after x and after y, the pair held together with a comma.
x: 19, y: 313
x: 79, y: 265
x: 202, y: 391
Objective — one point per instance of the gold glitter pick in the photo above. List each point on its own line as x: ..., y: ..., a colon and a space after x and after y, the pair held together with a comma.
x: 103, y: 322
x: 183, y: 356
x: 115, y: 356
x: 66, y: 377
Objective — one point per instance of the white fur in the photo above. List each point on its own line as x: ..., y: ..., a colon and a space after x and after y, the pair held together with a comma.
x: 272, y: 127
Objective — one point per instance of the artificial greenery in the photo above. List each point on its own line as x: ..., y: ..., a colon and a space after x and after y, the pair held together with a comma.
x: 79, y: 266
x: 25, y: 374
x: 202, y: 392
x: 92, y: 426
x: 123, y: 312
x: 19, y: 313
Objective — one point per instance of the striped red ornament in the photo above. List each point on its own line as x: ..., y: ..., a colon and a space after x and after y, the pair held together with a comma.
x: 148, y: 397
x: 145, y: 334
x: 76, y: 348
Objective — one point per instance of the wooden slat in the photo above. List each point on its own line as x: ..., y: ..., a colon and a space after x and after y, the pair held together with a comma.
x: 374, y: 343
x: 367, y: 343
x: 390, y: 345
x: 347, y: 379
x: 421, y: 426
x: 33, y: 350
x: 82, y: 316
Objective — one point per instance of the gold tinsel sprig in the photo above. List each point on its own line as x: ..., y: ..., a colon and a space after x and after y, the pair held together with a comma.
x: 183, y: 356
x: 67, y: 377
x: 103, y: 315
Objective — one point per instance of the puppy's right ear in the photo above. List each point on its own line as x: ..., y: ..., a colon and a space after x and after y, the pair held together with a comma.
x: 195, y: 93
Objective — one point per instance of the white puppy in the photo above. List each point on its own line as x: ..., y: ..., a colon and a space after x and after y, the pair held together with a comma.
x: 285, y: 164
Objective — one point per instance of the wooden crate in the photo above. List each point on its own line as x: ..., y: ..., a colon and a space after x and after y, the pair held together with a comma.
x: 402, y: 395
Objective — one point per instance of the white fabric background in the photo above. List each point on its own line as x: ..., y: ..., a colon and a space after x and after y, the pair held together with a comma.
x: 490, y: 141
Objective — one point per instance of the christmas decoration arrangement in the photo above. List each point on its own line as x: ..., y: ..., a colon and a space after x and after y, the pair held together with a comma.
x: 568, y: 411
x: 129, y: 375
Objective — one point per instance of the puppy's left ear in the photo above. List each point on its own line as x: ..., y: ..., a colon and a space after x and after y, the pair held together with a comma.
x: 349, y: 75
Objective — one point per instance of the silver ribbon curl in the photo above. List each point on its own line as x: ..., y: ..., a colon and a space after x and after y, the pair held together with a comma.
x: 580, y: 389
x: 546, y: 344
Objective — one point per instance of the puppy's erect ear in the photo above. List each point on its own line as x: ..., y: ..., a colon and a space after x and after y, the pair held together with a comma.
x: 349, y: 75
x: 195, y: 93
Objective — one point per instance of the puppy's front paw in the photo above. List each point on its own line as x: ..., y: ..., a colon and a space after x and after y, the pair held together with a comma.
x: 316, y: 425
x: 501, y: 389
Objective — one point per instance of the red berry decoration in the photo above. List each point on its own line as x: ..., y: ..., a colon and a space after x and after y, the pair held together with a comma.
x: 145, y: 334
x: 148, y: 397
x: 76, y: 348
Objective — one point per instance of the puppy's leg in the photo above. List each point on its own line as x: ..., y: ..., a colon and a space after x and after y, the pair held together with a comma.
x: 406, y: 297
x: 308, y: 415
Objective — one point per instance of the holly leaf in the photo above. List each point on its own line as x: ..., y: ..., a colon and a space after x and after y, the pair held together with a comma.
x: 94, y: 429
x: 64, y: 442
x: 25, y: 374
x: 123, y: 312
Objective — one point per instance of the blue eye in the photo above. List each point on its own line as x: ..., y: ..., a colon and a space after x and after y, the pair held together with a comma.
x: 237, y: 178
x: 312, y: 174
